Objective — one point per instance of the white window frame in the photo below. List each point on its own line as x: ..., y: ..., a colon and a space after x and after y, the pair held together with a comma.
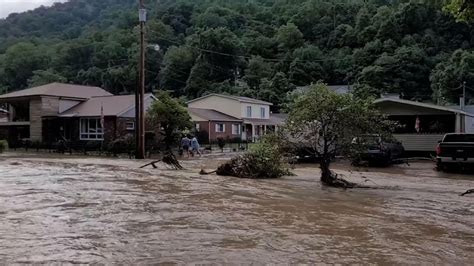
x: 249, y: 111
x: 263, y: 112
x: 238, y: 131
x: 218, y: 128
x: 128, y: 127
x: 96, y: 133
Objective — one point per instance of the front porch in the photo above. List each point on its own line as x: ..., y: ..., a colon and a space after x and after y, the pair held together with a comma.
x: 253, y: 132
x: 421, y: 125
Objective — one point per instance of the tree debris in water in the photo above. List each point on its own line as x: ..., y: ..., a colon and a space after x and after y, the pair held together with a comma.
x: 169, y: 159
x: 470, y: 191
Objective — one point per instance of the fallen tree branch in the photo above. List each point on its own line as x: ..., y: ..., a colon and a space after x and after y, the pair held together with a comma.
x: 470, y: 191
x: 204, y: 172
x: 169, y: 159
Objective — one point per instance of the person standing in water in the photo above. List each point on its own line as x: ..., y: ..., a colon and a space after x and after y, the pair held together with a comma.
x: 185, y: 142
x: 195, y: 146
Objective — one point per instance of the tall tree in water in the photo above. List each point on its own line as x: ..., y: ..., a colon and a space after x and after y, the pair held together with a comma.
x: 324, y: 123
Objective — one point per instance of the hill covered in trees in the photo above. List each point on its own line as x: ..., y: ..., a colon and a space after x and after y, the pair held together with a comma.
x: 258, y: 48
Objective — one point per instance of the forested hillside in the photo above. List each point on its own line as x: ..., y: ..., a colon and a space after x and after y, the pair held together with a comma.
x: 258, y: 48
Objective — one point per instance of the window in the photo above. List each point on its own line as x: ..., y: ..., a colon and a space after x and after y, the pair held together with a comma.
x: 220, y: 128
x: 249, y: 111
x: 91, y: 129
x: 198, y: 127
x: 236, y: 129
x: 263, y: 112
x: 130, y: 125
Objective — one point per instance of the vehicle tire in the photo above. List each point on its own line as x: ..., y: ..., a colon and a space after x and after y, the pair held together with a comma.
x: 388, y: 159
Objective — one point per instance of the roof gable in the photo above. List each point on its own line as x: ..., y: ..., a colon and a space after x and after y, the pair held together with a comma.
x: 59, y: 90
x: 114, y: 105
x: 211, y: 115
x: 232, y: 97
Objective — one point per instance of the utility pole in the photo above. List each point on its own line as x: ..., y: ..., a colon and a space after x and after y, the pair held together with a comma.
x: 140, y: 92
x: 463, y: 95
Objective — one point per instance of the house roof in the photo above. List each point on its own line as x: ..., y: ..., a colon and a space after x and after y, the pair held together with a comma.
x: 59, y: 90
x: 420, y: 104
x: 275, y: 119
x: 467, y: 108
x: 114, y: 105
x: 232, y: 97
x: 212, y: 115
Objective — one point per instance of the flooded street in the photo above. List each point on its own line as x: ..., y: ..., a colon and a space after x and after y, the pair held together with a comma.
x: 79, y: 210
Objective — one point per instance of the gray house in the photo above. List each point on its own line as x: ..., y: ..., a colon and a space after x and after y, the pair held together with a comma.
x: 65, y: 111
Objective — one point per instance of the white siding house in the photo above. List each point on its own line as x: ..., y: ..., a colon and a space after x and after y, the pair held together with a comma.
x: 256, y: 115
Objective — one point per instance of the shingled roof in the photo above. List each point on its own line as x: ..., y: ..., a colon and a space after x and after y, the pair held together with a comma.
x: 59, y: 90
x: 232, y: 97
x: 212, y: 115
x: 112, y: 105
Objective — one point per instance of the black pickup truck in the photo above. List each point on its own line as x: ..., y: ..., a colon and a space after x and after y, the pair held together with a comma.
x: 455, y: 149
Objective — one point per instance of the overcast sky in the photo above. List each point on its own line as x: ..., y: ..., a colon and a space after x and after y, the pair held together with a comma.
x: 16, y: 6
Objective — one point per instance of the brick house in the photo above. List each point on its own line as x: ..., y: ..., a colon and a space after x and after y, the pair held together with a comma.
x: 65, y: 111
x: 215, y: 124
x: 83, y: 122
x: 255, y: 115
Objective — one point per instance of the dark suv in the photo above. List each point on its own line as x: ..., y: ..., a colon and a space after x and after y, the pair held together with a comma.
x: 376, y: 149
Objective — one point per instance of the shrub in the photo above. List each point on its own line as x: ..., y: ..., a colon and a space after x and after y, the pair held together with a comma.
x: 3, y: 145
x: 264, y: 160
x: 122, y: 145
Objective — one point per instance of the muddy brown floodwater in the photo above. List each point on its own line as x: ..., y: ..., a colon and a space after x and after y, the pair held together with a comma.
x: 78, y: 210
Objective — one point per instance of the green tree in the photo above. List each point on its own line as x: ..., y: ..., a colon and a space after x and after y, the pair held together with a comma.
x: 257, y: 70
x: 306, y: 66
x: 170, y: 117
x: 463, y: 10
x: 289, y: 37
x: 218, y: 60
x: 275, y: 90
x: 324, y: 123
x: 406, y: 72
x: 177, y: 65
x: 449, y: 75
x: 21, y: 60
x: 42, y: 77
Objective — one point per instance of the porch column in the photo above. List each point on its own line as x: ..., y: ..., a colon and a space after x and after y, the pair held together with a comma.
x: 11, y: 113
x: 264, y: 129
x: 253, y: 133
x: 457, y: 128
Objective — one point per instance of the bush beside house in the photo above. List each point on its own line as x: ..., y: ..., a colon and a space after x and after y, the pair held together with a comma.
x: 3, y: 145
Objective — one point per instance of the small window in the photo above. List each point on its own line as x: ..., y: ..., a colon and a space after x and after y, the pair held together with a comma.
x: 236, y: 129
x: 130, y: 125
x: 198, y: 127
x: 263, y: 112
x: 220, y: 128
x: 91, y: 129
x: 249, y: 111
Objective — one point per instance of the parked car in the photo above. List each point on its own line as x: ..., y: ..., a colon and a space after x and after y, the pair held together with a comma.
x: 376, y: 149
x: 456, y: 149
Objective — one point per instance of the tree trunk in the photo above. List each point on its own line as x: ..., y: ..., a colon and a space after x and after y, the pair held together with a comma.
x: 331, y: 179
